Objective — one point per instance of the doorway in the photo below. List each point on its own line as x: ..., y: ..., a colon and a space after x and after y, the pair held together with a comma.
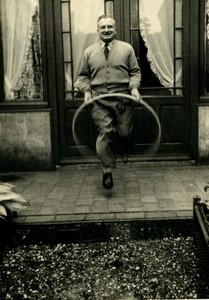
x: 169, y: 98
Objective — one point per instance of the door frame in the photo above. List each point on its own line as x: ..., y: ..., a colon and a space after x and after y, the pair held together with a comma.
x: 121, y: 8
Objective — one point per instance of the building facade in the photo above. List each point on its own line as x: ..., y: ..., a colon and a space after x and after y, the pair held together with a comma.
x: 41, y: 47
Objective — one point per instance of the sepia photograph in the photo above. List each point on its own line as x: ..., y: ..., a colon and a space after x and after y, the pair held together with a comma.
x: 104, y: 149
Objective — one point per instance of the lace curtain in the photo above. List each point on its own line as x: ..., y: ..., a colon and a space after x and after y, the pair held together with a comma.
x: 16, y: 26
x: 207, y: 14
x: 157, y: 29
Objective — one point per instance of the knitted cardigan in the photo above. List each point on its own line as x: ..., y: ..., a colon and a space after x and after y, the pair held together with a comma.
x: 117, y: 74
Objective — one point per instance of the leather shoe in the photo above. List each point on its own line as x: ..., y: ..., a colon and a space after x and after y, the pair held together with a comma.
x: 107, y: 181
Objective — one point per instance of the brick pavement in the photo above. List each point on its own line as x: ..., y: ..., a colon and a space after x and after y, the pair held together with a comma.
x: 141, y: 191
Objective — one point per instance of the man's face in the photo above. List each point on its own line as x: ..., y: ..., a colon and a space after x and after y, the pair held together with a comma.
x: 106, y: 29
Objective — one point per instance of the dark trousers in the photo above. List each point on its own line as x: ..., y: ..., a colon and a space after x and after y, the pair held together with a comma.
x: 114, y: 118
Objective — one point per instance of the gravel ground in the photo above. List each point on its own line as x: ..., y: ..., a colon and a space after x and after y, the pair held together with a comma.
x: 165, y: 268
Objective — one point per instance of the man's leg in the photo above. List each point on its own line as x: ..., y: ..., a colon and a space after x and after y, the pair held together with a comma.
x: 124, y: 126
x: 103, y: 119
x: 104, y: 148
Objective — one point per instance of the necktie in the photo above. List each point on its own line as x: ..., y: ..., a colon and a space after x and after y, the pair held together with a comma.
x: 106, y: 50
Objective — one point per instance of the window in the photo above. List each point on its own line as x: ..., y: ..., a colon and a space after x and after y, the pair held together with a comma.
x: 21, y: 50
x: 159, y: 27
x: 155, y: 33
x: 206, y: 48
x: 78, y: 32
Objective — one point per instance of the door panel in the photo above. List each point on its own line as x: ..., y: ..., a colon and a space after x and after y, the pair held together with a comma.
x: 84, y: 130
x: 171, y: 124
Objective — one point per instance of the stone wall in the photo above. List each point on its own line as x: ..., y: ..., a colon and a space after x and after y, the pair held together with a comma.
x: 203, y: 134
x: 25, y: 141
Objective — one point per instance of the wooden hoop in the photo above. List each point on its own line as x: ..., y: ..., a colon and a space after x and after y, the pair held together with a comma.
x: 151, y: 150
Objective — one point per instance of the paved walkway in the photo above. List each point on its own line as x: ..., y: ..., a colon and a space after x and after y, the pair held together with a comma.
x: 141, y: 191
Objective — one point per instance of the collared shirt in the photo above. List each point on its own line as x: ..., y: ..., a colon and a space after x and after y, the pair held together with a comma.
x: 109, y: 45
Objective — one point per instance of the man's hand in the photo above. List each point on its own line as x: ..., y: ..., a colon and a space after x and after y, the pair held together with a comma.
x: 87, y: 97
x: 136, y: 95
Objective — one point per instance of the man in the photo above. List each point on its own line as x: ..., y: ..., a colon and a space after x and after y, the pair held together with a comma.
x: 109, y: 66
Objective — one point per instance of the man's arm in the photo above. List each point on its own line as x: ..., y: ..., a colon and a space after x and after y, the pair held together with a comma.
x: 134, y: 71
x: 135, y: 76
x: 83, y: 82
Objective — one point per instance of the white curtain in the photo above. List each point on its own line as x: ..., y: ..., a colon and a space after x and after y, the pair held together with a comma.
x: 157, y: 31
x: 207, y: 14
x: 84, y: 27
x: 16, y: 26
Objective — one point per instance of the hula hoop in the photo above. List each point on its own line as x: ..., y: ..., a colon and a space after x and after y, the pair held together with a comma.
x: 151, y: 150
